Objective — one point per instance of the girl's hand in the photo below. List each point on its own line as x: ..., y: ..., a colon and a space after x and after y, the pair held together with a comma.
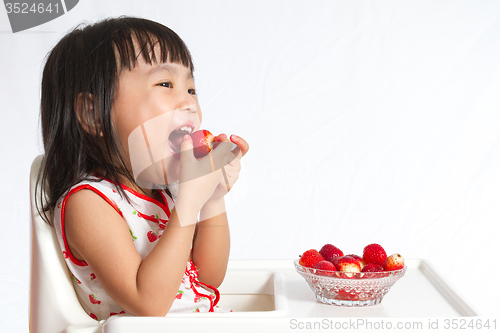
x: 232, y: 169
x: 199, y: 178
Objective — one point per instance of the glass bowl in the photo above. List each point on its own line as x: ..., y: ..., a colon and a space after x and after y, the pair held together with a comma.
x: 349, y: 289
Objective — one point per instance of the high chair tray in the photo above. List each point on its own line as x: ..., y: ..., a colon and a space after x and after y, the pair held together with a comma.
x: 270, y: 296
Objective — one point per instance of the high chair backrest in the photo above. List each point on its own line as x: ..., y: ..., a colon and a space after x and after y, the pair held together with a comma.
x: 54, y: 305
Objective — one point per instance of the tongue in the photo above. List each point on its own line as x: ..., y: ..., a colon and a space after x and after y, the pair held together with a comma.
x: 176, y: 139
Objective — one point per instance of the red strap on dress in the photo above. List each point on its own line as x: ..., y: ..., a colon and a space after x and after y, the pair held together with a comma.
x: 193, y: 279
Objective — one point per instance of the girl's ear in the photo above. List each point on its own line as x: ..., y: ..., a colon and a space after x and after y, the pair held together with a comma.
x: 88, y: 118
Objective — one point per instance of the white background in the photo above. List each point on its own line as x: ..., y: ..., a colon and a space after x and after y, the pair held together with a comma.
x: 367, y: 121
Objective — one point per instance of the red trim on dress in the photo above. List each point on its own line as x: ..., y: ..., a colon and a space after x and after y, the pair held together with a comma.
x: 163, y: 206
x: 166, y: 203
x: 192, y: 273
x: 63, y: 206
x: 162, y: 223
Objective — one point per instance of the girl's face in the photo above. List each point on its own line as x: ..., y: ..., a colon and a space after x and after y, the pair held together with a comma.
x: 152, y: 101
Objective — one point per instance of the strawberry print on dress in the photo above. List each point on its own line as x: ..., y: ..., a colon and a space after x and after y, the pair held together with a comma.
x: 152, y: 236
x: 93, y: 300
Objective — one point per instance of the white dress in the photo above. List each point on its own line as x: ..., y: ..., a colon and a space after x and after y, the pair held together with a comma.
x: 146, y: 219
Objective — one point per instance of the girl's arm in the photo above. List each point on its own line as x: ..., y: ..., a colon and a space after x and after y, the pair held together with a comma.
x: 211, y: 244
x: 100, y: 237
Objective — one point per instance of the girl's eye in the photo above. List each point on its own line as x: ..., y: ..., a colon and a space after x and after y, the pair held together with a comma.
x: 192, y: 91
x: 166, y: 84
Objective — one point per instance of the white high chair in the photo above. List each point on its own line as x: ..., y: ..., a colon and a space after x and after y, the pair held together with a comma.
x: 54, y: 306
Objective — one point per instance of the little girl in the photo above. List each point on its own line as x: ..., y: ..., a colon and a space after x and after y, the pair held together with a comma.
x: 129, y: 250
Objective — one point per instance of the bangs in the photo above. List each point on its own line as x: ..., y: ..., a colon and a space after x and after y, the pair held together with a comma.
x: 153, y: 41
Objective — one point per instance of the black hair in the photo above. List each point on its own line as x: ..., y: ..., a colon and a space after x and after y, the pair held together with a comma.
x: 84, y: 67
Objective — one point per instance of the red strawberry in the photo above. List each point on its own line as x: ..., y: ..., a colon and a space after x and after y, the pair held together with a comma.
x: 348, y: 264
x: 179, y: 294
x: 354, y: 256
x: 93, y: 316
x: 310, y: 258
x: 92, y: 277
x: 202, y: 143
x: 358, y: 259
x: 372, y: 268
x: 328, y: 251
x: 93, y: 300
x: 374, y: 254
x: 325, y: 266
x: 152, y: 236
x: 394, y: 262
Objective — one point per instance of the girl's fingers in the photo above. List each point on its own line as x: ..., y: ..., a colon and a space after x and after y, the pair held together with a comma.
x: 235, y: 154
x: 221, y: 138
x: 235, y: 163
x: 221, y: 154
x: 241, y: 143
x: 231, y: 176
x: 187, y: 148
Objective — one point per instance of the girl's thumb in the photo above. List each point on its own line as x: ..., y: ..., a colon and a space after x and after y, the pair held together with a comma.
x: 186, y: 147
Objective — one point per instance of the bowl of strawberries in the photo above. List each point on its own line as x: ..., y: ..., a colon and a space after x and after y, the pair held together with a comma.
x: 350, y: 280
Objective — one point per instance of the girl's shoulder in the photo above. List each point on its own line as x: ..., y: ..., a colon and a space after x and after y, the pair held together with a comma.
x: 105, y: 189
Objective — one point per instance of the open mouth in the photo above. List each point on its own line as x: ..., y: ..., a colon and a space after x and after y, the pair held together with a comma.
x: 175, y: 138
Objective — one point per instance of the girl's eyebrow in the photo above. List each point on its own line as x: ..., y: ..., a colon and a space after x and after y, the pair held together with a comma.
x: 165, y: 66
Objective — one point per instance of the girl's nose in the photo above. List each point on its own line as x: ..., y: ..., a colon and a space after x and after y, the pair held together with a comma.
x: 188, y: 107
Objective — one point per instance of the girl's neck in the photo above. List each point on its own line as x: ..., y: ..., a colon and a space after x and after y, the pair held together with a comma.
x: 149, y: 192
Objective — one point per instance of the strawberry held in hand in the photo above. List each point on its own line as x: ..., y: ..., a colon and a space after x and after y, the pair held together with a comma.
x: 203, y: 142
